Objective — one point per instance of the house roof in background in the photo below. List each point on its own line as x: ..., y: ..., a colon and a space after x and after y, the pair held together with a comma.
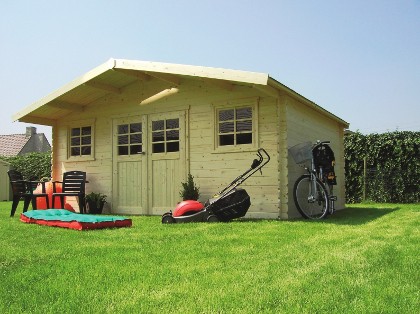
x: 11, y: 145
x: 16, y: 144
x: 115, y: 74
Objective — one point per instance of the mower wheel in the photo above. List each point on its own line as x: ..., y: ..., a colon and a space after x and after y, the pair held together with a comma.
x: 168, y: 219
x: 212, y: 218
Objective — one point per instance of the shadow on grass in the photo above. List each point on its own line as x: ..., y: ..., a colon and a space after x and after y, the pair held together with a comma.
x: 359, y: 215
x: 347, y: 216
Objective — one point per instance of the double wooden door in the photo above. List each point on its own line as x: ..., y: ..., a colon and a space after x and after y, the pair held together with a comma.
x: 148, y: 162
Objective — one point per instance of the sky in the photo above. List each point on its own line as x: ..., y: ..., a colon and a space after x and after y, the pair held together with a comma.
x: 358, y: 59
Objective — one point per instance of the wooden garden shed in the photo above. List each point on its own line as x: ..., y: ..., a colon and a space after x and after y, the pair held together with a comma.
x: 138, y: 128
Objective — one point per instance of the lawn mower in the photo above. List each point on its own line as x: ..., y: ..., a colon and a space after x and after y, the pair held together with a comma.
x: 230, y: 203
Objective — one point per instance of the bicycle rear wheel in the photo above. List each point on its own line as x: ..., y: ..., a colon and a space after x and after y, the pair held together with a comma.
x: 311, y: 198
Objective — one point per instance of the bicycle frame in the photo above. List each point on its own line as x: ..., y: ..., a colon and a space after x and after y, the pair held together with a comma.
x: 314, y: 174
x: 313, y: 191
x: 313, y: 187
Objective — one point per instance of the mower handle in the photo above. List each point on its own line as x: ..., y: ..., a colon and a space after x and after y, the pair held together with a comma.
x: 258, y: 161
x: 257, y: 164
x: 265, y: 153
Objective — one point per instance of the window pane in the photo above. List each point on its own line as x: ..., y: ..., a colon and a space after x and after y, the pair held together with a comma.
x: 172, y: 147
x: 135, y: 149
x: 122, y: 150
x: 75, y: 151
x: 75, y: 132
x: 172, y: 123
x: 244, y: 113
x: 158, y: 125
x: 158, y: 137
x: 172, y: 135
x: 135, y: 139
x: 159, y: 148
x: 225, y: 115
x: 86, y: 130
x: 226, y: 140
x: 85, y: 150
x: 244, y: 138
x: 75, y: 141
x: 135, y: 128
x: 123, y: 129
x: 86, y: 140
x: 235, y: 126
x: 81, y: 141
x: 226, y: 127
x: 244, y: 126
x: 122, y: 139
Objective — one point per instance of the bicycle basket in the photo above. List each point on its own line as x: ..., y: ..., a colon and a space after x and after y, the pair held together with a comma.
x: 301, y: 152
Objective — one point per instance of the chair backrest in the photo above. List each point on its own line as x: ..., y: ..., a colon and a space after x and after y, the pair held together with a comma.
x: 19, y: 186
x: 74, y: 182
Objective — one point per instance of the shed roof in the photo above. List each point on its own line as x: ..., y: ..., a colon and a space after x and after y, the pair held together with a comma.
x: 115, y: 74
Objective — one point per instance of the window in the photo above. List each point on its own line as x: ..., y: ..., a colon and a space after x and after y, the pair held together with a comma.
x: 165, y: 136
x: 234, y: 126
x: 130, y: 139
x: 81, y: 141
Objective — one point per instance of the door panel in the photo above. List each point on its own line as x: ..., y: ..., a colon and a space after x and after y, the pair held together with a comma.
x: 166, y: 160
x: 129, y: 185
x: 130, y: 166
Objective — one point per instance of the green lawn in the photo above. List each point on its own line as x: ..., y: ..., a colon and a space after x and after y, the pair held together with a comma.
x: 361, y: 260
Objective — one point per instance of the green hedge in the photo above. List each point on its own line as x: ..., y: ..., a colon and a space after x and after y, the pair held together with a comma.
x: 33, y: 166
x: 393, y: 167
x: 392, y: 159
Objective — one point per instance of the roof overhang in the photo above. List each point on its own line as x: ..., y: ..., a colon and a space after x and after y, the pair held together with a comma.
x: 283, y: 88
x: 115, y: 74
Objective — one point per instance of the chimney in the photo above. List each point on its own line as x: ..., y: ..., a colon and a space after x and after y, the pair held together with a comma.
x: 30, y: 130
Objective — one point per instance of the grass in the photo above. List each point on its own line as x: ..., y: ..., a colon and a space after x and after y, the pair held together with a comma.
x: 361, y: 260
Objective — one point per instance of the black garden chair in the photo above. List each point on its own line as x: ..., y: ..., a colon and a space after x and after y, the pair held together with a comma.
x: 73, y: 184
x: 23, y: 189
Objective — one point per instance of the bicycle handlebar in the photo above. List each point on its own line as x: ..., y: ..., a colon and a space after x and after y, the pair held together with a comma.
x: 322, y: 142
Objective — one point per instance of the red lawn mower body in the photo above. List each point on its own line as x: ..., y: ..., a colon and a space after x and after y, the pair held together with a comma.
x: 187, y: 207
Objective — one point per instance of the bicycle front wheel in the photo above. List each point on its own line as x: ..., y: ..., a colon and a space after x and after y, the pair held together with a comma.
x: 311, y: 197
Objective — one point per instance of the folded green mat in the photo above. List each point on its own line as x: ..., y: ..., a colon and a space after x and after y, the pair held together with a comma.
x: 68, y: 219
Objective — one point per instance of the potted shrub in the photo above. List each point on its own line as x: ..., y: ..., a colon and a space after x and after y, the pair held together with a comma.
x: 189, y: 190
x: 96, y: 202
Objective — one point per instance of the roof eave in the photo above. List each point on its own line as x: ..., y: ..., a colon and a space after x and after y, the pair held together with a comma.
x: 245, y: 77
x: 20, y: 116
x: 194, y: 71
x: 259, y: 80
x: 283, y: 88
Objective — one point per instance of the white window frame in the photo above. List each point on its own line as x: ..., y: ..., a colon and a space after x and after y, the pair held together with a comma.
x: 81, y: 124
x: 236, y: 104
x: 129, y: 144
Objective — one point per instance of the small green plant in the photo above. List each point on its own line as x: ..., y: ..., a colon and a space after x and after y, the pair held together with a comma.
x: 96, y: 202
x: 190, y: 191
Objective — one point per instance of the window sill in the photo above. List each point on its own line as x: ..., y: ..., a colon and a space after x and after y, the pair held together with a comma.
x: 234, y: 149
x: 80, y: 159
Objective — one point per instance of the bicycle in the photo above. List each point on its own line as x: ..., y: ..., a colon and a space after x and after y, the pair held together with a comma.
x: 313, y: 191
